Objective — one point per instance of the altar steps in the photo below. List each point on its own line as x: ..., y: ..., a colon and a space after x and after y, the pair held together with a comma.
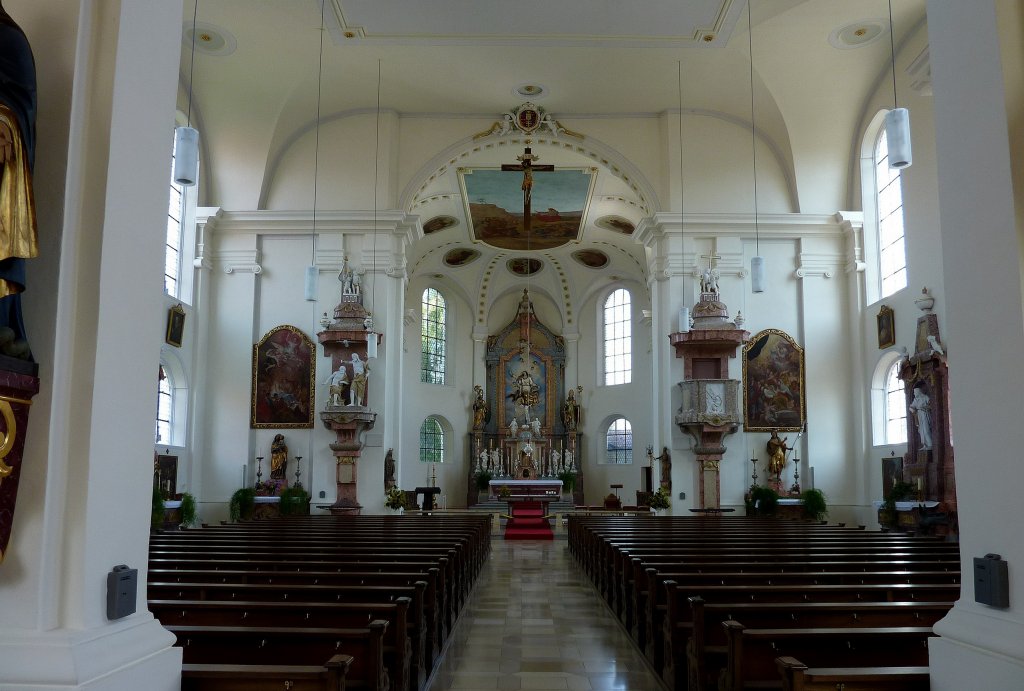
x: 528, y: 522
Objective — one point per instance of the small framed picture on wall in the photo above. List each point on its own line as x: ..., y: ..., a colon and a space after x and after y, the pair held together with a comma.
x: 175, y: 326
x: 886, y: 327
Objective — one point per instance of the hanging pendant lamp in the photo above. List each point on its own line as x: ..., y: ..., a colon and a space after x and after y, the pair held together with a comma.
x: 897, y: 120
x: 185, y: 171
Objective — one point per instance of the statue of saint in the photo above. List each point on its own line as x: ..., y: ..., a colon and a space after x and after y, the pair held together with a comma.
x: 571, y: 410
x: 481, y: 411
x: 278, y: 458
x: 18, y: 236
x: 360, y: 372
x: 776, y: 454
x: 921, y: 407
x: 389, y: 470
x: 337, y: 383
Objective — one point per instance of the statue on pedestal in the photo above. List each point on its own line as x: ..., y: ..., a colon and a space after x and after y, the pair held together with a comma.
x: 921, y: 407
x: 481, y: 411
x: 776, y: 454
x: 278, y: 458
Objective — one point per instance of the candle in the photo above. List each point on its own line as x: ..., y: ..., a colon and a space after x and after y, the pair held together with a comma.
x: 920, y: 483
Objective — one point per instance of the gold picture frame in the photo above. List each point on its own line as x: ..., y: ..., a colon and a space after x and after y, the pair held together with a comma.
x: 175, y: 326
x: 773, y: 383
x: 282, y: 380
x: 886, y: 321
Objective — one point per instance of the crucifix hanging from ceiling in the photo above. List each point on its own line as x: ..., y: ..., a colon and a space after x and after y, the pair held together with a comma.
x: 522, y: 206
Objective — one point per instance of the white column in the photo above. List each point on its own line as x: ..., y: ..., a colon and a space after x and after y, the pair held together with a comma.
x: 980, y: 646
x: 85, y: 507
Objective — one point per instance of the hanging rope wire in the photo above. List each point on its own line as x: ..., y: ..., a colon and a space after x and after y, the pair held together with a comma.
x: 376, y: 159
x: 192, y: 61
x: 753, y: 129
x: 316, y: 141
x: 682, y: 194
x: 892, y: 50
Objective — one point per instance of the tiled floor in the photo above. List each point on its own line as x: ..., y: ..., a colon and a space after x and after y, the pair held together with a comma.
x: 535, y: 622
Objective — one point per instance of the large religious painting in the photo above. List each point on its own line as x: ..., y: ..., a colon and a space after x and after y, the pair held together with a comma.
x: 559, y: 200
x: 282, y: 379
x: 773, y: 383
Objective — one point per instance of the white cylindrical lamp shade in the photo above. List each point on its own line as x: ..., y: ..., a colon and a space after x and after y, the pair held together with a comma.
x: 897, y: 135
x: 684, y: 320
x: 186, y: 156
x: 757, y: 274
x: 371, y: 345
x: 312, y: 273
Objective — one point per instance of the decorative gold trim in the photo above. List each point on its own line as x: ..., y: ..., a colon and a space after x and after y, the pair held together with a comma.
x: 12, y: 399
x: 9, y: 437
x: 710, y: 465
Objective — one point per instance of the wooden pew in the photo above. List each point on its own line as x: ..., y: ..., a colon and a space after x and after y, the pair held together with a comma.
x: 329, y: 677
x: 752, y: 652
x: 241, y: 645
x: 700, y: 648
x: 796, y: 676
x: 405, y: 668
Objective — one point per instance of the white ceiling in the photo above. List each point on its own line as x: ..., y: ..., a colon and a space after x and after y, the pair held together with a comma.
x: 462, y: 58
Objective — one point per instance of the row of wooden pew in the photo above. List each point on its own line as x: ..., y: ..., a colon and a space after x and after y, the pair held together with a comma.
x: 741, y: 603
x: 318, y: 603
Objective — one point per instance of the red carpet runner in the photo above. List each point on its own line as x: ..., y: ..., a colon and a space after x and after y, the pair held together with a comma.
x: 527, y: 522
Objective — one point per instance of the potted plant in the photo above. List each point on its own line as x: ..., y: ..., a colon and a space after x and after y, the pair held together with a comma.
x: 815, y: 506
x: 483, y: 482
x: 156, y: 516
x: 659, y: 501
x: 901, y: 491
x: 242, y: 503
x: 762, y: 501
x: 394, y: 499
x: 189, y: 518
x: 294, y: 501
x: 568, y: 479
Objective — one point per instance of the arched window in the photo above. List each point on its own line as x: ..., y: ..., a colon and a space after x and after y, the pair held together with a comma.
x: 618, y: 338
x: 431, y: 441
x: 432, y: 337
x: 172, y: 252
x: 619, y: 442
x: 164, y: 408
x: 895, y: 407
x: 892, y: 253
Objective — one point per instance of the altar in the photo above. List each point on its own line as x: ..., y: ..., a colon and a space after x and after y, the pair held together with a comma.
x: 528, y: 488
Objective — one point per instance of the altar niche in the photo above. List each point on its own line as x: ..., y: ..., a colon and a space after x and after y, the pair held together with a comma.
x: 526, y: 435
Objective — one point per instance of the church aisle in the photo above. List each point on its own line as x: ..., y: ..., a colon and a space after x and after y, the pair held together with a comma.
x: 535, y: 622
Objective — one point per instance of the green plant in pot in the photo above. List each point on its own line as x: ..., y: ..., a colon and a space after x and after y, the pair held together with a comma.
x: 294, y: 501
x: 568, y: 479
x: 394, y: 499
x: 901, y: 491
x: 483, y: 480
x: 156, y: 516
x: 659, y: 501
x: 815, y: 505
x: 242, y: 503
x: 189, y: 517
x: 762, y: 501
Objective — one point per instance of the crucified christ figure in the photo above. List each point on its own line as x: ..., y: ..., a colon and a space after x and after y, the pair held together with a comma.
x: 526, y: 165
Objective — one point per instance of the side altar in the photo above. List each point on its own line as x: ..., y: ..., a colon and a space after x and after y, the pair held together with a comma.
x: 525, y: 422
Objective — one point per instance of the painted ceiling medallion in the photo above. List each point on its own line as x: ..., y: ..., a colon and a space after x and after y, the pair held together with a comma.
x: 857, y: 34
x: 616, y: 224
x: 439, y: 223
x: 594, y: 259
x: 530, y: 90
x: 460, y: 256
x: 210, y: 39
x: 524, y: 266
x: 527, y: 119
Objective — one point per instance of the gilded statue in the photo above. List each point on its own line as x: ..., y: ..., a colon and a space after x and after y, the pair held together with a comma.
x: 776, y: 454
x: 278, y: 458
x: 18, y: 235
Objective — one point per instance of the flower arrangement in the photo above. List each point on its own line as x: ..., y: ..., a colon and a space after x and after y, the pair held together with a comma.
x: 394, y: 499
x: 504, y: 492
x: 659, y: 500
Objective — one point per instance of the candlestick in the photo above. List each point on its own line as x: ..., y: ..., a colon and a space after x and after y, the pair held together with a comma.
x: 298, y: 471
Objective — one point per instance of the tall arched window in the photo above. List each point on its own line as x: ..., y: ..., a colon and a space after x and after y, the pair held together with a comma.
x: 431, y: 441
x: 891, y: 247
x: 895, y: 407
x: 618, y: 338
x: 619, y: 440
x: 172, y: 252
x: 164, y: 408
x: 432, y: 337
